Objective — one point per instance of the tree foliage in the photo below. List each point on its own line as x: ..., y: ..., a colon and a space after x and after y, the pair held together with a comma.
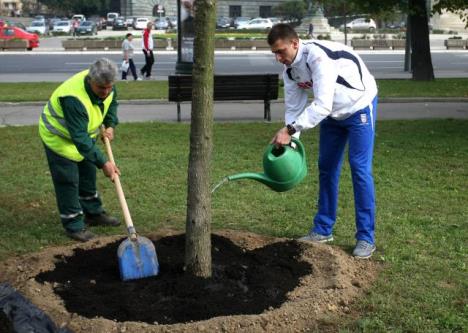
x: 88, y: 7
x: 291, y: 10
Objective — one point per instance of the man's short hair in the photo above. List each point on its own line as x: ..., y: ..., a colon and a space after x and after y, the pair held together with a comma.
x: 281, y: 31
x: 128, y: 35
x: 103, y: 71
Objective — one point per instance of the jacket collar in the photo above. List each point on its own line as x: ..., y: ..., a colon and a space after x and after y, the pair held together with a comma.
x: 298, y: 58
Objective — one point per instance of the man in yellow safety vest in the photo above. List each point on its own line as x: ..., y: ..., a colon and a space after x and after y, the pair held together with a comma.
x: 69, y: 126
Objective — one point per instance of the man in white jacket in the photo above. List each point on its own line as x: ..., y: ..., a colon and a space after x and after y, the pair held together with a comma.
x: 344, y: 104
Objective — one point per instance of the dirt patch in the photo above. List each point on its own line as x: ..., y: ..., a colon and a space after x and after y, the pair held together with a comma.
x: 259, y: 284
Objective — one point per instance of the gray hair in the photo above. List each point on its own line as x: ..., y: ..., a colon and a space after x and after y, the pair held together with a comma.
x: 103, y: 71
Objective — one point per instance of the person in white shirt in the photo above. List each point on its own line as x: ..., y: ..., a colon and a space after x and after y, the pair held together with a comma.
x: 344, y: 105
x: 127, y: 51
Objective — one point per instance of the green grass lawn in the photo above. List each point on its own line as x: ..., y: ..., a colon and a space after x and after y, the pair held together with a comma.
x: 421, y: 183
x: 41, y: 91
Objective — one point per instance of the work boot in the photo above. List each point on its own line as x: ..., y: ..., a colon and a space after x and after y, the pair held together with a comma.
x: 81, y: 235
x: 101, y: 219
x: 316, y: 238
x: 363, y: 249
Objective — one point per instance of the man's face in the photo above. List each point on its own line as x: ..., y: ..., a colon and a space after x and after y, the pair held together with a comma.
x: 285, y: 50
x: 101, y: 90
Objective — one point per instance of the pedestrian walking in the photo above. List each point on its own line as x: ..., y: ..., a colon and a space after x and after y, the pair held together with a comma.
x: 310, y: 33
x: 147, y: 46
x: 128, y: 50
x: 345, y: 107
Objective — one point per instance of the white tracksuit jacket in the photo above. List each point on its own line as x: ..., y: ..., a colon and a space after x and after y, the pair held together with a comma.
x: 338, y: 78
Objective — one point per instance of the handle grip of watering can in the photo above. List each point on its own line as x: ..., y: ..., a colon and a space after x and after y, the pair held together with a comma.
x: 298, y: 145
x: 118, y: 187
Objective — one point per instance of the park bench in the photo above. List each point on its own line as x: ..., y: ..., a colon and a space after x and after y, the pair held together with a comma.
x: 229, y: 88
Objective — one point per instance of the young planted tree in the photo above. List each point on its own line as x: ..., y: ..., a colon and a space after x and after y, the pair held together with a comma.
x: 198, y: 223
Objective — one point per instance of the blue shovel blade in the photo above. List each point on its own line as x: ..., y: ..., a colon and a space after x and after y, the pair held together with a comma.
x: 137, y: 259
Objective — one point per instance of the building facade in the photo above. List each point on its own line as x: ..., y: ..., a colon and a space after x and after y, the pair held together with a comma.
x: 10, y: 7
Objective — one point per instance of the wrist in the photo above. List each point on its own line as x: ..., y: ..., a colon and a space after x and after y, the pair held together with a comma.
x: 291, y: 129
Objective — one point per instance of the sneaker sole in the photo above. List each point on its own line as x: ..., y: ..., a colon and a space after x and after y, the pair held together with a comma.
x: 367, y: 257
x: 316, y: 241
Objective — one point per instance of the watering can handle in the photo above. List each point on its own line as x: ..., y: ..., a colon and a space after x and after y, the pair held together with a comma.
x: 298, y: 144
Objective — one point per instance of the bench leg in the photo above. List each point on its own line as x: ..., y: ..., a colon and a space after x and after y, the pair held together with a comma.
x: 267, y: 113
x: 178, y: 112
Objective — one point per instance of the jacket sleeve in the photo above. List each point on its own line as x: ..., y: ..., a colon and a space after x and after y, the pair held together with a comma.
x: 295, y: 99
x: 77, y: 123
x: 324, y: 75
x: 145, y: 39
x: 111, y: 119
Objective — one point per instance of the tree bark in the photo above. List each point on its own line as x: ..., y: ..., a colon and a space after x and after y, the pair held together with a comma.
x: 198, y: 223
x: 421, y: 61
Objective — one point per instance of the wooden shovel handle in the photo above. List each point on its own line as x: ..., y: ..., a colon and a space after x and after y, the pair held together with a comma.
x: 118, y: 187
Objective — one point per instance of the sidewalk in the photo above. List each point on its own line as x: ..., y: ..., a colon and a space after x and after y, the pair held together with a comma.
x: 21, y: 114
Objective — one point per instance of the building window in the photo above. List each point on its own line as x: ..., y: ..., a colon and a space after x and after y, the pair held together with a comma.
x: 235, y: 11
x: 265, y: 11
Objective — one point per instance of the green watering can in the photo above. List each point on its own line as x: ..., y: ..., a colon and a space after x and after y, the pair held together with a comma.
x: 284, y: 167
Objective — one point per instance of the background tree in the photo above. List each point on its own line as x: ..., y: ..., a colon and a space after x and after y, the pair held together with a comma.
x: 198, y: 222
x: 88, y: 7
x: 291, y: 10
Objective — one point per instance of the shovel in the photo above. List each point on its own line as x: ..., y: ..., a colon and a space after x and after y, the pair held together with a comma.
x: 136, y: 254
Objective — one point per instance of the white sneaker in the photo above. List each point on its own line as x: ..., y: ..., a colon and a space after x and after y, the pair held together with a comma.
x: 139, y: 79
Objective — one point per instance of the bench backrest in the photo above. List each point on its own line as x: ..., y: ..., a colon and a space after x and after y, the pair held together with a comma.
x: 228, y: 87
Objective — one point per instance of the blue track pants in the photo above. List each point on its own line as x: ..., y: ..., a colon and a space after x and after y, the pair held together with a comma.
x: 358, y: 131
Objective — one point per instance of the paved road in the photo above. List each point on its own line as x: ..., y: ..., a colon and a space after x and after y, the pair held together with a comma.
x: 27, y: 67
x: 28, y: 114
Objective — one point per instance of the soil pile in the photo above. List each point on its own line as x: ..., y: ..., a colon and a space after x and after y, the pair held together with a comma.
x: 259, y: 284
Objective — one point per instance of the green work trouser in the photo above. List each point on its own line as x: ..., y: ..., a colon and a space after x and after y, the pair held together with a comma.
x: 75, y: 189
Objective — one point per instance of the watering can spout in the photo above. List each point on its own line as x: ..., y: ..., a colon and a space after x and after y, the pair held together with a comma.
x: 260, y: 177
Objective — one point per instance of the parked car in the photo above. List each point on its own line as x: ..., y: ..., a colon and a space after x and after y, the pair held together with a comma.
x: 223, y: 23
x: 274, y: 20
x: 64, y: 27
x: 39, y: 18
x: 360, y: 24
x: 161, y: 23
x: 140, y: 23
x: 18, y: 25
x: 87, y: 28
x: 258, y: 23
x: 110, y: 19
x: 9, y: 32
x: 98, y: 21
x: 39, y: 27
x: 119, y: 24
x: 240, y: 21
x: 129, y: 21
x: 51, y: 22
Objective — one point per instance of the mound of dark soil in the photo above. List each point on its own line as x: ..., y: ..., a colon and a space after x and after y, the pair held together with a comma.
x: 243, y: 282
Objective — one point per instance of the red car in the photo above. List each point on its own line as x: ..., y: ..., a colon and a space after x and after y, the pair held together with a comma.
x: 9, y: 32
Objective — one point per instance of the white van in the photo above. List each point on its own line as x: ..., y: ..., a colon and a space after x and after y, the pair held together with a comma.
x: 111, y: 17
x: 79, y: 17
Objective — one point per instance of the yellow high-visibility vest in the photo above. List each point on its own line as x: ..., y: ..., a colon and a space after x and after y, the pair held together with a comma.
x: 52, y: 125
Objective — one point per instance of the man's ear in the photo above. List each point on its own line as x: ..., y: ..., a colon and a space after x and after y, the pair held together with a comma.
x: 295, y: 43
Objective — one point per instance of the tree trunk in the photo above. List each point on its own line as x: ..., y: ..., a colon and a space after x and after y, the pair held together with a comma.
x: 421, y: 61
x: 198, y: 223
